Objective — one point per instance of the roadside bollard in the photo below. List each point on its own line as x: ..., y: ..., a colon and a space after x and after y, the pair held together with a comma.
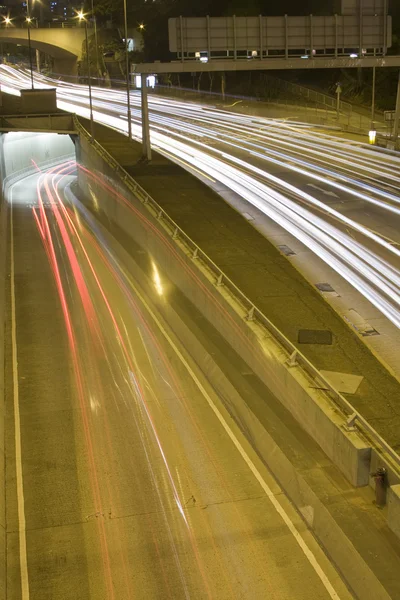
x: 380, y: 486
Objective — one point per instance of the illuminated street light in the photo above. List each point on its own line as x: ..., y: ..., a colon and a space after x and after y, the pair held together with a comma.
x: 141, y: 26
x: 81, y: 18
x: 372, y: 136
x: 7, y: 20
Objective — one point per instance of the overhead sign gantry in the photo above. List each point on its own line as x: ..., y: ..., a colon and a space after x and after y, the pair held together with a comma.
x: 359, y: 37
x: 213, y: 38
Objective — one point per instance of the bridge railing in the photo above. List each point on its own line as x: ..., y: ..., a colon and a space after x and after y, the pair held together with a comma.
x: 354, y: 420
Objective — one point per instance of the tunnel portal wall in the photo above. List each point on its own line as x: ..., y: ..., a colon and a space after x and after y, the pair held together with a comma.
x: 21, y: 150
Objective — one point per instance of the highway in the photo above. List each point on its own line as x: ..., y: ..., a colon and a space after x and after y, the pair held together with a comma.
x: 131, y: 481
x: 337, y: 197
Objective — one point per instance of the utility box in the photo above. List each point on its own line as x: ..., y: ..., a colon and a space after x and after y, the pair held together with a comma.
x: 41, y: 101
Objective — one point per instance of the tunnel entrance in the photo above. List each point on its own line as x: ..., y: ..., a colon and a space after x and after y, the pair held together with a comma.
x: 22, y: 152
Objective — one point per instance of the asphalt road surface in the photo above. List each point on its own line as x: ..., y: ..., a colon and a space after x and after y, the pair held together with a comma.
x: 125, y: 476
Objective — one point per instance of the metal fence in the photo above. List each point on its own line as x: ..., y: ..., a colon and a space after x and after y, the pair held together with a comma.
x: 354, y: 420
x: 311, y: 95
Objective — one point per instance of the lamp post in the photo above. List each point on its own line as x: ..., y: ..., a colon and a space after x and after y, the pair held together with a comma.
x: 128, y: 94
x: 95, y: 41
x: 6, y: 21
x: 81, y: 18
x: 29, y: 21
x: 373, y: 95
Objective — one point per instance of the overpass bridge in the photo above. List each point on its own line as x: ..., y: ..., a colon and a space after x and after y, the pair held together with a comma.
x: 63, y: 45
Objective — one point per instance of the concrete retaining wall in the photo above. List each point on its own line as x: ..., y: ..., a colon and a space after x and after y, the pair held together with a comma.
x: 298, y: 392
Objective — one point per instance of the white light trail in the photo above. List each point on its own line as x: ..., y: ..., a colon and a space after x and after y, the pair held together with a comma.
x: 231, y: 148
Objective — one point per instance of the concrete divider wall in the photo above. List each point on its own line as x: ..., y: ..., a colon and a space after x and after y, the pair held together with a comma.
x: 298, y: 393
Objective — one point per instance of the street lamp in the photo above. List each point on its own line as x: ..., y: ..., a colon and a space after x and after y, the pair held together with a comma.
x: 128, y: 96
x: 95, y: 42
x: 29, y: 21
x: 81, y: 18
x: 7, y: 21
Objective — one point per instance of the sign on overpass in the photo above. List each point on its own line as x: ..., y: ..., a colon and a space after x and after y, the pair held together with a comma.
x: 262, y: 37
x: 364, y: 7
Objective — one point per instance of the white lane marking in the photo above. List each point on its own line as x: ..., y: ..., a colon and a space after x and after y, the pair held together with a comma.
x: 320, y: 189
x: 275, y: 502
x: 18, y: 454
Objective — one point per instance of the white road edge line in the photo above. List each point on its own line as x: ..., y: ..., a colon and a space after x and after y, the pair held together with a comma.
x: 279, y: 509
x: 17, y: 422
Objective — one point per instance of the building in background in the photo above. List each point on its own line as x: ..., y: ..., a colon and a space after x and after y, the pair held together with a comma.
x: 45, y: 11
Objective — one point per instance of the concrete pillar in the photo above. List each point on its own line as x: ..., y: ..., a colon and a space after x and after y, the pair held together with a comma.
x: 67, y: 67
x: 397, y: 114
x: 146, y: 147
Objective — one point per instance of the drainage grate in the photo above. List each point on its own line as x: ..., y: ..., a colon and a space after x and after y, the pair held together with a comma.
x: 286, y: 250
x: 315, y: 336
x: 324, y: 287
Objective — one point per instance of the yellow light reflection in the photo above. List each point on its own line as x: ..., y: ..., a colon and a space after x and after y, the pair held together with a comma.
x: 94, y: 198
x: 157, y: 280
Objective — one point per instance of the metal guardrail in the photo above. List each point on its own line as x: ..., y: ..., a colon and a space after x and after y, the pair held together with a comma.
x: 312, y: 95
x: 354, y: 420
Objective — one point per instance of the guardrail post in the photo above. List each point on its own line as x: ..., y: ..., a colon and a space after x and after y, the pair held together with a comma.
x: 292, y: 360
x: 250, y: 314
x: 351, y: 422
